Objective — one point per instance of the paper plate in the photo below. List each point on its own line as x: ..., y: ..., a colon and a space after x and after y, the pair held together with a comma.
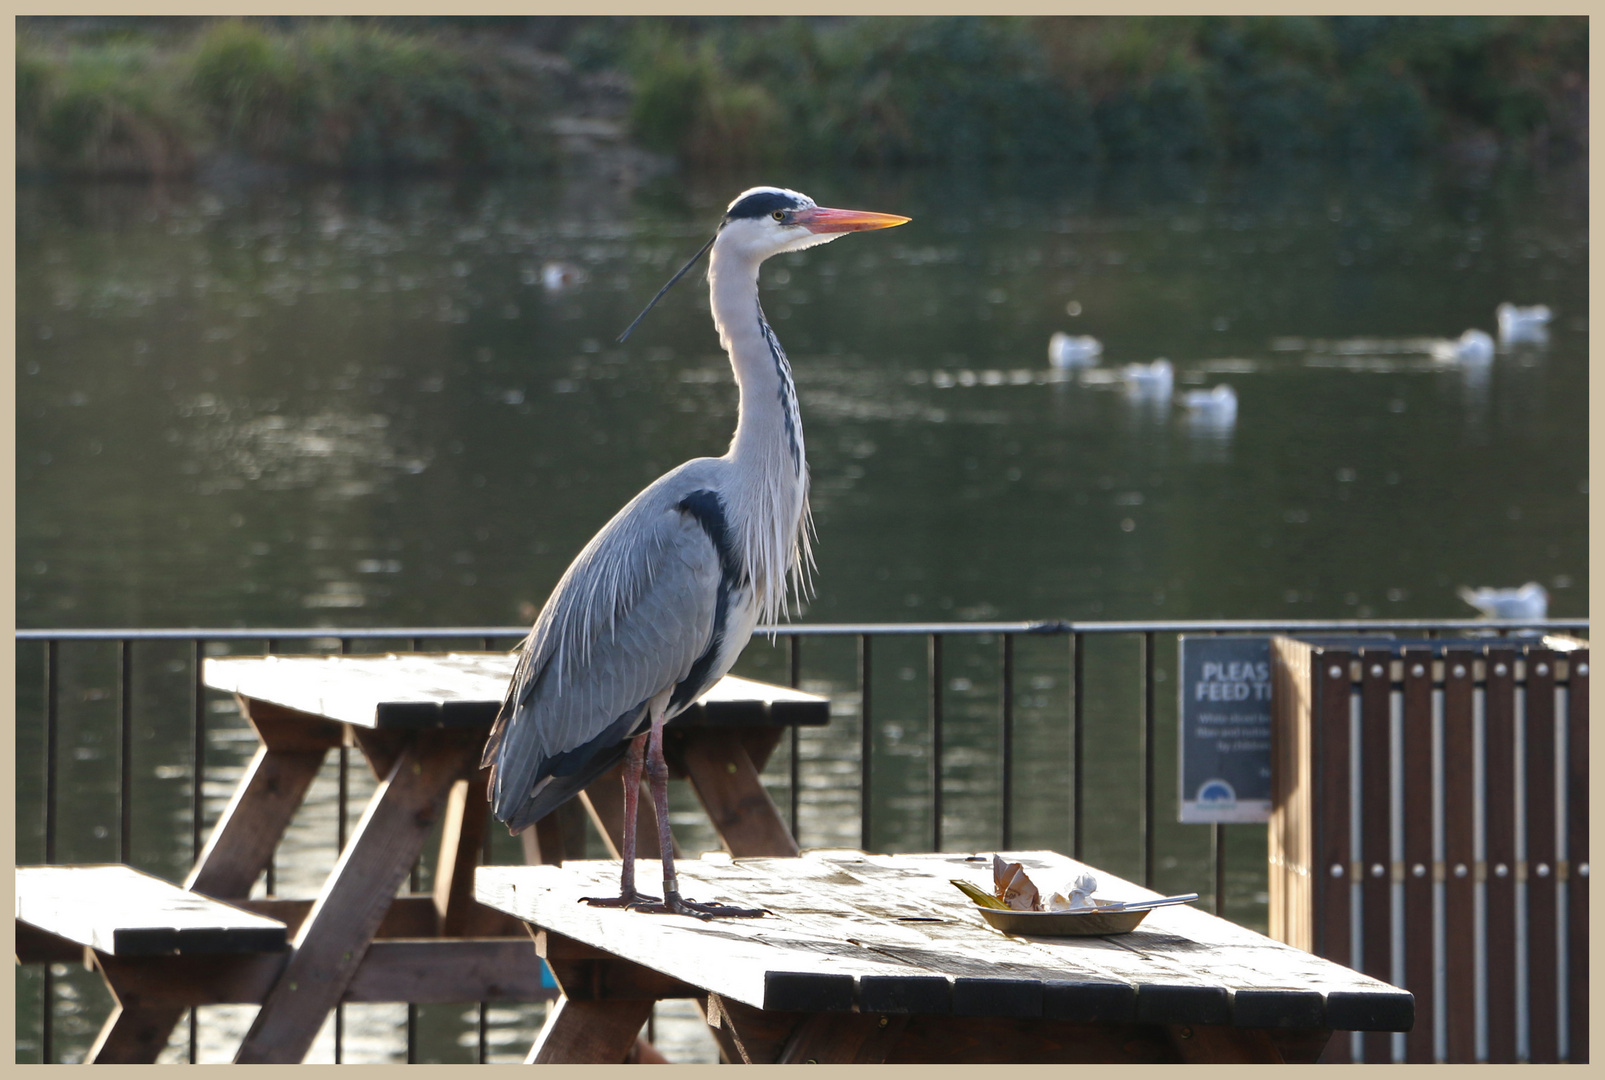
x: 1089, y: 922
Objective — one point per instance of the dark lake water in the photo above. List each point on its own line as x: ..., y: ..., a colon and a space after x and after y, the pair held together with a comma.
x: 298, y: 404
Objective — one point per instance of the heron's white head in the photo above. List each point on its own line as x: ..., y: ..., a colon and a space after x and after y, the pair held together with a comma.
x: 765, y: 221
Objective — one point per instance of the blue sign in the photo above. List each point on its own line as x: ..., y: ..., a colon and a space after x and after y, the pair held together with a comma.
x: 1225, y: 745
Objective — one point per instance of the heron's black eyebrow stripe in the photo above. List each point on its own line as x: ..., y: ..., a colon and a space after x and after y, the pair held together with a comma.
x: 762, y: 204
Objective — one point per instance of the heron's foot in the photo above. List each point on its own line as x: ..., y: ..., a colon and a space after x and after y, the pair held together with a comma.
x: 631, y: 899
x: 675, y: 904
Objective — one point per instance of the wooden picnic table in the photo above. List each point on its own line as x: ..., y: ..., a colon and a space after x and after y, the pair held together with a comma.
x: 878, y: 958
x: 420, y: 720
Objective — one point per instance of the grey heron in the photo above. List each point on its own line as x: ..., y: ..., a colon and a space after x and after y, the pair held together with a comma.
x: 656, y: 608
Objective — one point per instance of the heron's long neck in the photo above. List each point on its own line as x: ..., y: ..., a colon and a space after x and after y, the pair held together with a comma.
x: 769, y: 500
x: 769, y: 428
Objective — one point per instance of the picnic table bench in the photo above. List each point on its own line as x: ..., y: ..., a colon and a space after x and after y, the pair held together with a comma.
x: 420, y: 721
x: 878, y: 958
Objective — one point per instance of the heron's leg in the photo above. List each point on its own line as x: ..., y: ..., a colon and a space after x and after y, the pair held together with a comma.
x: 632, y: 795
x: 657, y: 770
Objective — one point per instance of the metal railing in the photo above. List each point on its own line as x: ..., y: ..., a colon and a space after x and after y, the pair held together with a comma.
x: 936, y: 634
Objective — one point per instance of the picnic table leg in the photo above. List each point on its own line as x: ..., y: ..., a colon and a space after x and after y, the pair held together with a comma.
x: 241, y: 843
x: 725, y: 779
x: 589, y: 1032
x: 237, y: 851
x: 337, y: 931
x: 461, y: 839
x: 133, y: 1035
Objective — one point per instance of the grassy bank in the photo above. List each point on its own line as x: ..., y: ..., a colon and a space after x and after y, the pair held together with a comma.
x: 443, y: 94
x: 949, y: 89
x: 323, y: 94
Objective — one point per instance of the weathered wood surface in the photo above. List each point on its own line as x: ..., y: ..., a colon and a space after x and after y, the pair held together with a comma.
x: 241, y: 844
x: 1577, y: 856
x: 1416, y: 737
x: 124, y: 912
x: 1499, y: 848
x: 462, y: 837
x: 727, y: 783
x: 1459, y: 854
x: 1543, y: 870
x: 589, y: 1032
x: 877, y: 932
x: 330, y: 943
x: 422, y: 971
x: 410, y: 915
x: 423, y: 690
x: 1376, y: 827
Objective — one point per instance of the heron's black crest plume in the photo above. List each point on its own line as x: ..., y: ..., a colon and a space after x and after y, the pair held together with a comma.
x: 678, y: 274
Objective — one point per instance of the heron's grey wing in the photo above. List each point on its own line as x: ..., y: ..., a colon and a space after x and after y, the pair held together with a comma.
x: 627, y: 621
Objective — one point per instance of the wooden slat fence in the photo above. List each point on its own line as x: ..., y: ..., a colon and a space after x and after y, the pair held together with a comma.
x: 1430, y: 828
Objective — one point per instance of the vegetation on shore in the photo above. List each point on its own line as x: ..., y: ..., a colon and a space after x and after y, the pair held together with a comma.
x: 328, y: 94
x: 441, y: 94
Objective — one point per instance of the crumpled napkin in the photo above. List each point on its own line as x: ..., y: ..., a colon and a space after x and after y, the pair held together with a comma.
x: 1076, y: 895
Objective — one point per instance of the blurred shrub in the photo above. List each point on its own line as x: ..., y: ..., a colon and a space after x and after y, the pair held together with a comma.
x: 889, y: 90
x: 1303, y: 85
x: 246, y: 82
x: 100, y: 109
x: 342, y: 95
x: 325, y: 94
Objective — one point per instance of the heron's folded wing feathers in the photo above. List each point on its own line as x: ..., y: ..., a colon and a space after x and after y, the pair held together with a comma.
x: 627, y: 621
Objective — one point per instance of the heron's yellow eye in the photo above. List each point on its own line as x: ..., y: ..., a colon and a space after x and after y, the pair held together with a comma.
x: 780, y: 215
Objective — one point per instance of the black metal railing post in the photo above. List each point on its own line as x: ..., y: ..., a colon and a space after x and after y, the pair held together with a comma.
x: 866, y: 750
x: 270, y: 881
x: 197, y: 792
x: 125, y: 751
x: 1146, y: 749
x: 47, y: 988
x: 1006, y: 709
x: 197, y: 751
x: 935, y: 649
x: 1077, y: 745
x: 794, y: 663
x: 343, y: 780
x: 1218, y: 844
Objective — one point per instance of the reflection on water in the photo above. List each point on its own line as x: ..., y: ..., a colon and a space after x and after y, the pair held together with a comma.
x: 369, y: 405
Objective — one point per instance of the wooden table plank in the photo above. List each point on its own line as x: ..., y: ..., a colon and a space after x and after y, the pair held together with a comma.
x: 1376, y: 827
x: 1577, y: 857
x: 1543, y: 1036
x: 1459, y: 856
x: 121, y: 911
x: 408, y: 691
x: 1419, y: 935
x: 841, y: 917
x: 422, y: 971
x: 1499, y: 850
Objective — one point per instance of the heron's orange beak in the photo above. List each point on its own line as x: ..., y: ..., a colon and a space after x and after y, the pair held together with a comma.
x: 822, y: 219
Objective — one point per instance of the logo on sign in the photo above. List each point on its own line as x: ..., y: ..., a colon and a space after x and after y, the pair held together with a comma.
x: 1217, y: 795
